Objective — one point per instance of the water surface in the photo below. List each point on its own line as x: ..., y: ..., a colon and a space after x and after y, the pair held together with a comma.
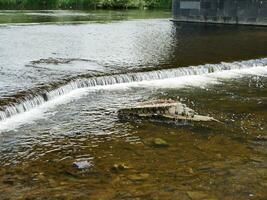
x: 64, y: 75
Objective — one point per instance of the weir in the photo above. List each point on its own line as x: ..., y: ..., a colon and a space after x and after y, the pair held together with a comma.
x: 245, y: 12
x: 34, y: 100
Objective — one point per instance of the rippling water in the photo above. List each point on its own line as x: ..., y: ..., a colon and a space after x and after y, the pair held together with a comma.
x: 64, y: 75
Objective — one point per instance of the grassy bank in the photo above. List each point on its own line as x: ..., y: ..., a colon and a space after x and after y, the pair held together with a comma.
x: 83, y: 4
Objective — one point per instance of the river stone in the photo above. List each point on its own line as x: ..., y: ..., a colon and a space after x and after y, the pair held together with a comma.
x: 82, y: 164
x: 138, y: 177
x: 197, y: 195
x: 119, y: 167
x: 158, y: 142
x: 8, y: 181
x: 261, y: 138
x: 257, y: 159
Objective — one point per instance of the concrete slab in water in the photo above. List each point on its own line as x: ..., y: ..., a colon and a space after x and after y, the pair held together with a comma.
x: 163, y: 111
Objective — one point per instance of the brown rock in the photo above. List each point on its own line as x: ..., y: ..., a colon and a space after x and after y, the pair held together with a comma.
x: 119, y: 167
x: 197, y: 195
x: 138, y: 177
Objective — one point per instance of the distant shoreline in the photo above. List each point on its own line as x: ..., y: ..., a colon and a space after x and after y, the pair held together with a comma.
x: 83, y: 4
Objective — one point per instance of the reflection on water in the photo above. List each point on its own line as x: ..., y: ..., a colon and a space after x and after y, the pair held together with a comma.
x: 201, y: 161
x: 69, y: 16
x: 212, y: 44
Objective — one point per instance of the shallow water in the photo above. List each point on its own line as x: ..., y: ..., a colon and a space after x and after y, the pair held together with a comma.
x: 64, y: 114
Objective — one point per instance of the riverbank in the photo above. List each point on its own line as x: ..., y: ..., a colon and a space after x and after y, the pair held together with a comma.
x: 84, y: 4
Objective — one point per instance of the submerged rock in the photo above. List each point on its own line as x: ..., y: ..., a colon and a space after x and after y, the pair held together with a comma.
x: 138, y: 177
x: 119, y: 167
x: 197, y: 195
x: 261, y: 138
x: 163, y: 111
x: 82, y: 164
x: 158, y: 142
x: 8, y: 181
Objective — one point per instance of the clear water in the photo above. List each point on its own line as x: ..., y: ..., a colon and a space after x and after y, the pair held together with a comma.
x: 88, y: 68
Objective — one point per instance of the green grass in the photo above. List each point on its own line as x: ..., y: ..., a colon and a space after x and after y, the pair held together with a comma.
x: 83, y: 4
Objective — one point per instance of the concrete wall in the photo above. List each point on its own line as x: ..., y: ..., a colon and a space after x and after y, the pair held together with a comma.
x: 251, y: 12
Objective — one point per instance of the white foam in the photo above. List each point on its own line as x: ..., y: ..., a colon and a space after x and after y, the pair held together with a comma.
x: 201, y: 81
x: 40, y: 112
x: 256, y: 71
x: 76, y: 90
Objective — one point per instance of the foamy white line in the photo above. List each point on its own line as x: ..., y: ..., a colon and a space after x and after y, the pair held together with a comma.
x: 202, y: 81
x: 40, y: 111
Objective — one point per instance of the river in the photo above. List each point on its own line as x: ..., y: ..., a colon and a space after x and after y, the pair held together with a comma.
x: 65, y: 74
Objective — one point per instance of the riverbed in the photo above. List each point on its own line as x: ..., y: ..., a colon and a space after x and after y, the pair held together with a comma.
x: 65, y: 74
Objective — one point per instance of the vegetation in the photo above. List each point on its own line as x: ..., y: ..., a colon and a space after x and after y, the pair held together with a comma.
x: 83, y: 4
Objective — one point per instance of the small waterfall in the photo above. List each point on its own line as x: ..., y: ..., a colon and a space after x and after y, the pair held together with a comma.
x: 32, y: 101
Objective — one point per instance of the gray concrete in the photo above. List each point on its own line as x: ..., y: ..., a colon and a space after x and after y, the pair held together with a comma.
x: 248, y: 12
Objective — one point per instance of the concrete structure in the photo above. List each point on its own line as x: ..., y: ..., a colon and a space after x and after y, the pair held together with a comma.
x: 249, y: 12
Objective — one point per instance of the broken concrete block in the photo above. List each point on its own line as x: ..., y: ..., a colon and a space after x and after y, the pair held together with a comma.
x: 163, y: 111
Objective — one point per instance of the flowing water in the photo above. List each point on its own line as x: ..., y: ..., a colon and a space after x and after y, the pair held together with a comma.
x: 65, y: 74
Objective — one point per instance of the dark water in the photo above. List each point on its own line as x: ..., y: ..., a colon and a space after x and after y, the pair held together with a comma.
x: 63, y: 114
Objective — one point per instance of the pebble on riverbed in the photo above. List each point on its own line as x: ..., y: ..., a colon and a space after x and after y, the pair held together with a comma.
x: 82, y: 165
x: 157, y: 143
x: 119, y: 167
x: 197, y: 195
x: 138, y: 177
